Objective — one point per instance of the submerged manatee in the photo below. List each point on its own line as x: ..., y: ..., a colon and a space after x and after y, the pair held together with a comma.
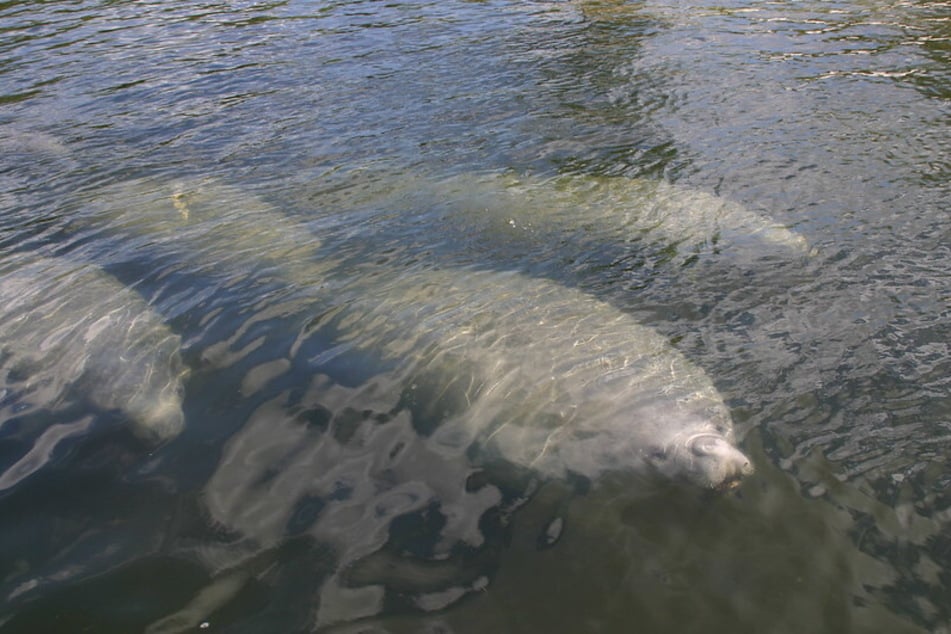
x: 475, y: 372
x: 205, y: 225
x: 690, y: 218
x: 538, y: 212
x: 198, y: 248
x: 69, y: 330
x: 542, y: 376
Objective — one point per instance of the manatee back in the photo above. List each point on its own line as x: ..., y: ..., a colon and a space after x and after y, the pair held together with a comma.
x: 533, y: 213
x: 534, y: 371
x: 209, y: 226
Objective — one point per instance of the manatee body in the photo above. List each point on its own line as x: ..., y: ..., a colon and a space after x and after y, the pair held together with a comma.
x: 475, y: 372
x: 537, y: 212
x: 694, y: 220
x: 203, y: 225
x: 69, y: 330
x: 541, y: 376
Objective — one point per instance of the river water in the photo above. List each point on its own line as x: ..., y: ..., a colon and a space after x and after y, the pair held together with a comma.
x: 340, y: 148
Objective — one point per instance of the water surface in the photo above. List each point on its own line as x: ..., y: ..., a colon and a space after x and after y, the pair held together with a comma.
x: 335, y: 144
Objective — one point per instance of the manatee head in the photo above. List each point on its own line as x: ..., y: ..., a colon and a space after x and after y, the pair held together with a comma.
x: 783, y: 237
x: 706, y: 459
x: 160, y: 421
x: 153, y: 411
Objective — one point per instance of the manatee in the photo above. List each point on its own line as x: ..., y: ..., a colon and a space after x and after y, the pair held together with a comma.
x: 505, y: 366
x: 485, y: 382
x: 202, y: 225
x: 21, y: 141
x: 481, y: 382
x: 537, y: 212
x: 694, y: 220
x: 71, y: 331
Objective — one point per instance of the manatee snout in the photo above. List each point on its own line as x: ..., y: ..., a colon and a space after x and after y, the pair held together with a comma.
x: 162, y: 422
x: 157, y: 417
x: 705, y: 459
x: 715, y: 463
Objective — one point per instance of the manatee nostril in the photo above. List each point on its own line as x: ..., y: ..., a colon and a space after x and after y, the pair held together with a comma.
x: 743, y: 466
